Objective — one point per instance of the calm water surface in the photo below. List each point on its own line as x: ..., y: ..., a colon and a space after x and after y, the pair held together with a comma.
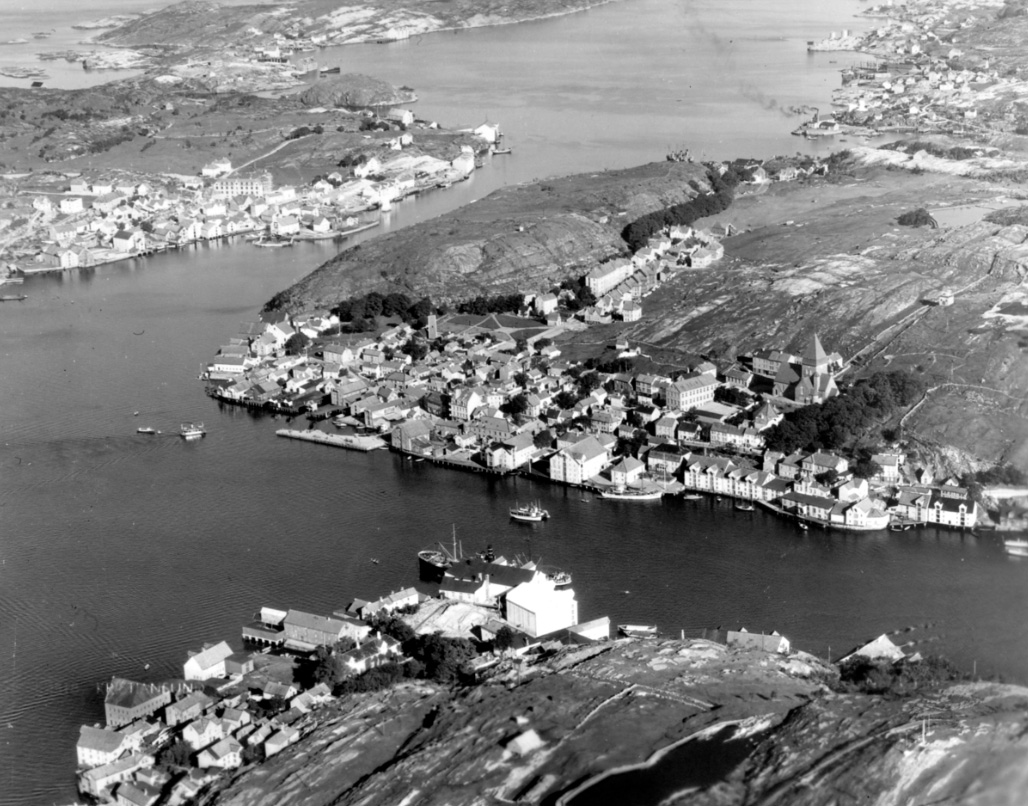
x: 119, y: 550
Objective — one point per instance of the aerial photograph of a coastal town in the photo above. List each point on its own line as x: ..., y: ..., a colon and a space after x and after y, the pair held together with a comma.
x: 546, y: 402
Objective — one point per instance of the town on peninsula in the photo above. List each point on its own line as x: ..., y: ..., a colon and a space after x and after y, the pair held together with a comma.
x: 839, y: 339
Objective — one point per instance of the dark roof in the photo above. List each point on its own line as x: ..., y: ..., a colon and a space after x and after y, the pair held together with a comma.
x: 459, y: 585
x: 129, y: 694
x: 810, y: 500
x: 507, y: 575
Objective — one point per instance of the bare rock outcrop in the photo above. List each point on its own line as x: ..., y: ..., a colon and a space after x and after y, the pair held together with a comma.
x: 522, y: 238
x: 536, y: 734
x: 354, y: 90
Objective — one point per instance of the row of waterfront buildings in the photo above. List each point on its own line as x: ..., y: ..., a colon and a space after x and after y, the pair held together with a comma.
x: 99, y: 220
x: 490, y: 392
x: 230, y: 708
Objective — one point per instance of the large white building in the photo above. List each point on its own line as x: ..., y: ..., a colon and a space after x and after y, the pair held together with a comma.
x: 98, y: 746
x: 686, y: 393
x: 608, y: 276
x: 208, y: 663
x: 539, y: 609
x: 580, y: 462
x: 255, y: 185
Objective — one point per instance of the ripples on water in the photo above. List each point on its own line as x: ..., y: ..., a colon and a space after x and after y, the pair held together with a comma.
x: 119, y: 550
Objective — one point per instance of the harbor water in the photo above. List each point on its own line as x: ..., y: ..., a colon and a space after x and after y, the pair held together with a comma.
x: 121, y: 551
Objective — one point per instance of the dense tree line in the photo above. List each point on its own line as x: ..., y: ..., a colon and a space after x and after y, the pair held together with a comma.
x: 361, y: 311
x: 841, y: 419
x: 720, y: 198
x: 612, y: 366
x: 1000, y: 475
x: 501, y: 303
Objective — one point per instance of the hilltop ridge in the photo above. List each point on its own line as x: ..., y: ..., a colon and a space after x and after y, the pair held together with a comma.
x: 536, y: 735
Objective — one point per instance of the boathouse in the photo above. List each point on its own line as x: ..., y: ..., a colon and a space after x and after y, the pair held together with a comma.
x: 266, y: 628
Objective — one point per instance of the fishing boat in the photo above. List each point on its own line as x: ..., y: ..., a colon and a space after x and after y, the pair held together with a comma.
x: 1017, y: 546
x: 272, y: 243
x: 745, y: 507
x: 638, y: 630
x: 147, y: 430
x: 627, y: 494
x: 191, y: 430
x: 434, y: 562
x: 532, y: 513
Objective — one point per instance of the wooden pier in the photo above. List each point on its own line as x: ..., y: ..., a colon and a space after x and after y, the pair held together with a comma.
x: 352, y: 442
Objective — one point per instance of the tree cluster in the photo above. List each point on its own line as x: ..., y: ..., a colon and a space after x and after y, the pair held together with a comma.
x: 417, y: 349
x: 297, y: 343
x: 434, y: 657
x: 352, y: 161
x: 642, y: 229
x: 732, y: 396
x: 899, y: 679
x: 516, y: 406
x: 917, y: 218
x: 501, y: 303
x: 841, y: 419
x: 1000, y: 474
x: 361, y: 311
x: 575, y: 294
x: 611, y: 366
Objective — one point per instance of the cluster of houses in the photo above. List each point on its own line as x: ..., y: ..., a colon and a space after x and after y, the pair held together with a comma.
x: 620, y: 285
x: 922, y: 82
x: 215, y: 710
x: 118, y: 762
x: 217, y: 714
x: 99, y: 220
x: 491, y: 393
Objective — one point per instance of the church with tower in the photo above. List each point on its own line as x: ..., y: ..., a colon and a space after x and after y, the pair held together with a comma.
x: 812, y: 378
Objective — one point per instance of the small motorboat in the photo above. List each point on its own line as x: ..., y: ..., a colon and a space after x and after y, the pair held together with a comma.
x: 192, y: 430
x: 532, y: 513
x: 147, y: 430
x: 745, y: 507
x: 1017, y: 546
x: 802, y: 525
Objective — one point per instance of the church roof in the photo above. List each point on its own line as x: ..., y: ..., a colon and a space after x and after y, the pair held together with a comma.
x: 815, y: 354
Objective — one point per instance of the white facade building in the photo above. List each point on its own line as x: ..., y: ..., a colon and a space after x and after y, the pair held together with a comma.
x: 539, y: 610
x: 578, y: 463
x: 208, y: 663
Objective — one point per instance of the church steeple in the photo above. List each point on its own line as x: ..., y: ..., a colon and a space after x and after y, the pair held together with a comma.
x: 815, y: 359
